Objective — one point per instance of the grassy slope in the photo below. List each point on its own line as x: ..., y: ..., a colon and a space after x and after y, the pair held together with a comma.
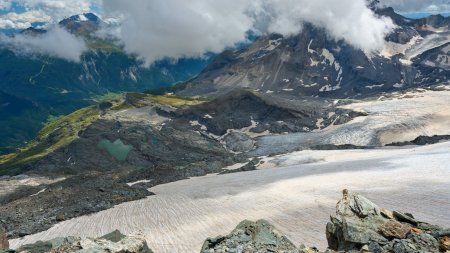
x: 55, y: 134
x: 140, y: 100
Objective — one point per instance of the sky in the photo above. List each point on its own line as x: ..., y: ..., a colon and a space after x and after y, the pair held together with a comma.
x: 160, y: 29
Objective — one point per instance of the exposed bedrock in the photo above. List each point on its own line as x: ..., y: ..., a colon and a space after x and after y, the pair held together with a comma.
x: 358, y: 226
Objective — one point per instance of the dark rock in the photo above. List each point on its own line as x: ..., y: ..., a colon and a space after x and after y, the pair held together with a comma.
x: 422, y: 140
x: 416, y: 243
x: 375, y: 247
x: 4, y: 244
x: 433, y: 230
x: 238, y: 142
x: 60, y: 217
x: 250, y: 236
x: 248, y: 167
x: 405, y: 218
x: 105, y: 105
x: 114, y: 236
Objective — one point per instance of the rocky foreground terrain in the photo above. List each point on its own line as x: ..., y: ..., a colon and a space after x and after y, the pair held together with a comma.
x: 358, y: 225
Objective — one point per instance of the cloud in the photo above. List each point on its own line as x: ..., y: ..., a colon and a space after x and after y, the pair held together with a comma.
x: 432, y: 6
x: 349, y: 20
x: 22, y: 20
x: 59, y: 9
x: 57, y: 42
x: 5, y: 4
x: 171, y: 28
x: 177, y: 28
x: 25, y: 12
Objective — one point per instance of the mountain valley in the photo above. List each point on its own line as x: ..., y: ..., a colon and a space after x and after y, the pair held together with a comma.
x: 182, y: 150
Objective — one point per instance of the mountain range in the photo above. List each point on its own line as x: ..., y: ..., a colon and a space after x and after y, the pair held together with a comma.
x: 416, y: 53
x: 36, y: 88
x: 235, y: 111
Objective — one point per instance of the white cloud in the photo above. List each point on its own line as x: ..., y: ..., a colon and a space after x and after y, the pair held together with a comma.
x: 173, y: 28
x: 349, y: 20
x: 177, y: 28
x: 59, y: 9
x: 56, y: 42
x: 432, y: 6
x: 22, y: 20
x: 5, y: 4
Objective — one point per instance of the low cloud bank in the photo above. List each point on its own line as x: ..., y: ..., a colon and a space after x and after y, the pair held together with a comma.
x: 57, y: 42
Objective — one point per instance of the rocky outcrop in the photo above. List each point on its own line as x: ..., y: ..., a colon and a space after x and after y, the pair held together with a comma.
x: 361, y: 225
x: 4, y: 244
x: 114, y: 242
x: 358, y: 226
x: 251, y: 236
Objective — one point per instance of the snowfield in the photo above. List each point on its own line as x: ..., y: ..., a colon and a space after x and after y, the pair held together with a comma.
x: 402, y: 117
x: 296, y: 192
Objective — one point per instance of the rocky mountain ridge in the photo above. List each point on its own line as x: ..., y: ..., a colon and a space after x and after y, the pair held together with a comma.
x: 415, y: 54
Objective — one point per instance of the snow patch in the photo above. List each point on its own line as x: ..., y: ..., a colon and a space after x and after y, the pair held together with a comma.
x: 139, y: 182
x: 39, y: 192
x: 82, y: 17
x: 375, y: 86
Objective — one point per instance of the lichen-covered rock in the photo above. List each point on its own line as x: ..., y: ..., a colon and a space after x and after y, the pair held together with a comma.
x: 444, y: 243
x: 248, y: 236
x: 4, y: 244
x: 395, y: 229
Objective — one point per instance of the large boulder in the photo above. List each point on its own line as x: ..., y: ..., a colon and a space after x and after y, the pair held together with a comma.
x: 355, y: 224
x: 250, y: 236
x: 4, y: 244
x: 360, y: 225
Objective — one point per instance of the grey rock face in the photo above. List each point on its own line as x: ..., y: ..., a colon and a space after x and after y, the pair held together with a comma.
x: 251, y: 236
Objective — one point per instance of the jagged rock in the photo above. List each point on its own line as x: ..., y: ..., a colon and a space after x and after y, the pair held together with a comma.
x: 239, y: 142
x: 405, y: 218
x: 114, y: 242
x: 4, y: 244
x: 356, y: 223
x: 251, y: 236
x: 355, y: 204
x: 114, y: 236
x: 415, y: 243
x: 395, y: 229
x: 361, y: 226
